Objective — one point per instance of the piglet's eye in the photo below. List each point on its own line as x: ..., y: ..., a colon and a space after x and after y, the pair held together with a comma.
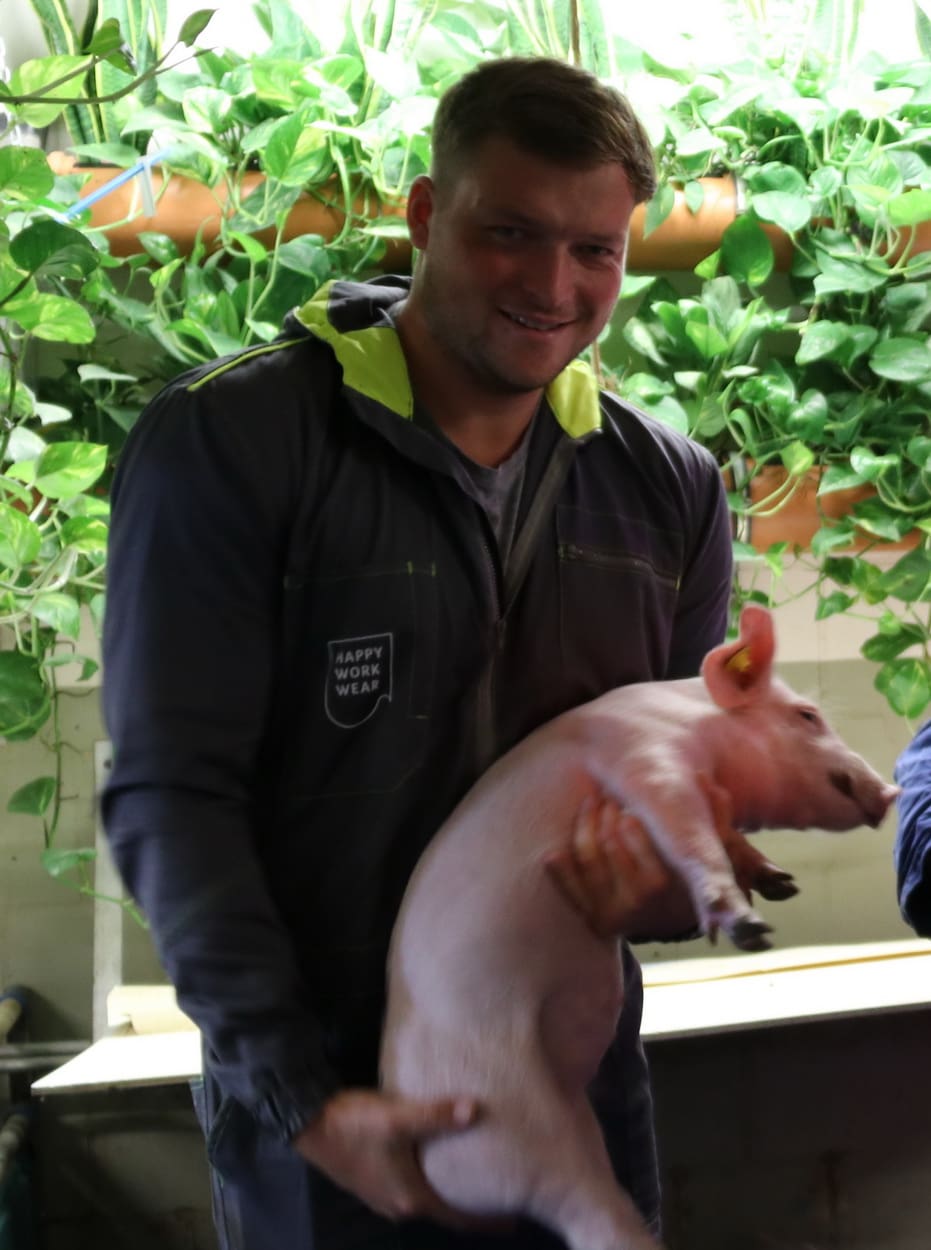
x: 810, y: 715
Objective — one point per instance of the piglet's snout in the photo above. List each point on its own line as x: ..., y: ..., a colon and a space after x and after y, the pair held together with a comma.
x: 872, y: 796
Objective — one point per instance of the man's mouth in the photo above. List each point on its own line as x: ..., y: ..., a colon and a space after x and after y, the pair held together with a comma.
x: 534, y: 323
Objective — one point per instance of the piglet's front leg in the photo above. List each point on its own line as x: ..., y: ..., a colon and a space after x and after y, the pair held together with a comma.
x: 752, y: 870
x: 691, y: 822
x: 624, y: 879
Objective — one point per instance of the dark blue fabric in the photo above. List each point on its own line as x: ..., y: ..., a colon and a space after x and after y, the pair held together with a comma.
x: 263, y: 515
x: 913, y: 837
x: 247, y: 538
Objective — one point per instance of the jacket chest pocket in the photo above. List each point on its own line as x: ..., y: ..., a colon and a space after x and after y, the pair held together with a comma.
x: 365, y: 654
x: 618, y: 590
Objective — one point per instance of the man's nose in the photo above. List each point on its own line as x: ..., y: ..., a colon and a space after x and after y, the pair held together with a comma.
x: 548, y: 276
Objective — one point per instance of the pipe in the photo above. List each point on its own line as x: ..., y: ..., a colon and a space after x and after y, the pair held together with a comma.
x: 141, y: 167
x: 12, y: 1006
x: 12, y: 1136
x: 13, y: 1050
x: 41, y: 1058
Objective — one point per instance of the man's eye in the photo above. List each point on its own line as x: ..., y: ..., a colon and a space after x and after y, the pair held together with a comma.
x: 597, y: 250
x: 508, y: 234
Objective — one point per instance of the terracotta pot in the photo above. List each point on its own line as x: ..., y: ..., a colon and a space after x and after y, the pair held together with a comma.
x: 799, y: 519
x: 185, y: 207
x: 914, y: 238
x: 686, y: 238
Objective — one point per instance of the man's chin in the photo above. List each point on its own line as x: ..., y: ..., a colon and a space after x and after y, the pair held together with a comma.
x: 525, y: 383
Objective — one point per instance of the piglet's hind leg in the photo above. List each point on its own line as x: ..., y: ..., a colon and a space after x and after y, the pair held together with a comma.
x: 580, y: 1198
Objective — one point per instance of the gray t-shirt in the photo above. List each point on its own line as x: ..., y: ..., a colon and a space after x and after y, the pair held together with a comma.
x: 499, y: 486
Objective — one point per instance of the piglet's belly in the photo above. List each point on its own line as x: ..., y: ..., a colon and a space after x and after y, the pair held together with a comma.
x: 577, y: 1023
x: 501, y: 1017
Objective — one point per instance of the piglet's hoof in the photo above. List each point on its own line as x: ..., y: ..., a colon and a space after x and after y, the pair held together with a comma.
x: 774, y: 883
x: 749, y: 934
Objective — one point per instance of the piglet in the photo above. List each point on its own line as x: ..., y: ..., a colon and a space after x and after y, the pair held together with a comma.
x: 499, y: 991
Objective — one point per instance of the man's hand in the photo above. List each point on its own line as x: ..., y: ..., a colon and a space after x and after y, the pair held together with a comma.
x: 367, y: 1143
x: 613, y: 874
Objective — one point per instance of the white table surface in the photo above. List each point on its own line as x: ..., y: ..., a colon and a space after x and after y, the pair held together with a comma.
x: 683, y: 998
x: 127, y: 1062
x: 688, y: 998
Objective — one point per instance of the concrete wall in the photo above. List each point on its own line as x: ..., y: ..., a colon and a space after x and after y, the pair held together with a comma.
x: 812, y: 1137
x: 122, y: 1172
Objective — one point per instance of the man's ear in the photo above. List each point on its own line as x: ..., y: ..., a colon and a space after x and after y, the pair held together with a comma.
x: 738, y: 673
x: 420, y: 201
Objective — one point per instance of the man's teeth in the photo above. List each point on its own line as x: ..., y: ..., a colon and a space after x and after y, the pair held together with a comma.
x: 532, y: 325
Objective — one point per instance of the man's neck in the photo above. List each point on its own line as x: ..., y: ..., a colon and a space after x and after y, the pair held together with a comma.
x: 486, y: 439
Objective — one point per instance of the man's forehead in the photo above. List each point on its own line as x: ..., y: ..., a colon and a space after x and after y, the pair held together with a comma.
x: 531, y: 190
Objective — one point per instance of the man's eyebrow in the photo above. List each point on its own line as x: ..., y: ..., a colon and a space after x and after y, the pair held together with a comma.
x: 517, y: 217
x: 512, y: 214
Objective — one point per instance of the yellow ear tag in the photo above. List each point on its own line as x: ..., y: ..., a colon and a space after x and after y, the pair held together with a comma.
x: 740, y: 660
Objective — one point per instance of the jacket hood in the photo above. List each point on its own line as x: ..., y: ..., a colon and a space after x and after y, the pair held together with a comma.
x: 355, y: 320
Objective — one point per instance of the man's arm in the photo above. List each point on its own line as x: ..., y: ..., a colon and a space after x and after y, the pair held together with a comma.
x: 913, y: 836
x: 700, y: 621
x: 198, y: 533
x: 202, y: 505
x: 611, y: 871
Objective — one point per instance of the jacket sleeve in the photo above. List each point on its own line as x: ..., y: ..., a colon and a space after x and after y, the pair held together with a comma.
x: 912, y: 851
x: 200, y: 515
x: 705, y: 589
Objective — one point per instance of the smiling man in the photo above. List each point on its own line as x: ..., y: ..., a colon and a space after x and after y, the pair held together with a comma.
x: 348, y: 570
x: 521, y: 265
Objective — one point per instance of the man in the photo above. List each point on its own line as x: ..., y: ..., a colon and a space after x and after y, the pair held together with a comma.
x: 348, y: 571
x: 913, y: 835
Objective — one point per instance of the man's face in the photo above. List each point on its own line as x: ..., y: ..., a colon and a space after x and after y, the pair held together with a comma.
x: 521, y: 264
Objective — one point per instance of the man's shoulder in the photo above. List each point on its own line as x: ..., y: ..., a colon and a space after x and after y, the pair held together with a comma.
x: 259, y: 408
x: 632, y: 432
x: 293, y: 352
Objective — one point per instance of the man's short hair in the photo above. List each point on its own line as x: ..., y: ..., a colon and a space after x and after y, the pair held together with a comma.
x: 548, y: 108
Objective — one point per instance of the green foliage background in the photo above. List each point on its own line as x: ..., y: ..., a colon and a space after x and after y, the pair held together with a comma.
x: 825, y: 367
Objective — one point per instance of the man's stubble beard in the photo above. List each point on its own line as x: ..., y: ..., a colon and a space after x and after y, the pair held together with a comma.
x: 470, y: 352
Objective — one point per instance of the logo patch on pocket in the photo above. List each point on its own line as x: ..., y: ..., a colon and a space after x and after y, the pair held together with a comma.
x: 358, y: 678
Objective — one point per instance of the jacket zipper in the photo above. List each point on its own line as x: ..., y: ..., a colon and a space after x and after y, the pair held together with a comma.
x: 519, y: 560
x: 608, y: 559
x: 485, y: 735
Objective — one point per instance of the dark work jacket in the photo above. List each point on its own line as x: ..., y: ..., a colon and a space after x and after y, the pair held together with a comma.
x: 311, y: 652
x: 913, y: 835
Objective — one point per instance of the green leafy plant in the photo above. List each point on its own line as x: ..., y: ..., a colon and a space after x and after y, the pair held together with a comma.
x: 821, y: 367
x: 87, y: 336
x: 53, y: 511
x: 337, y: 116
x: 825, y: 368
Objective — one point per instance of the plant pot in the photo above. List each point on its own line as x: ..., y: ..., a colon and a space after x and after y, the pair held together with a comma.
x: 186, y: 208
x: 913, y: 239
x: 686, y: 238
x: 797, y: 521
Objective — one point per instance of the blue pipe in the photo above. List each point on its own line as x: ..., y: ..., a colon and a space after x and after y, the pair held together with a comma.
x: 142, y: 166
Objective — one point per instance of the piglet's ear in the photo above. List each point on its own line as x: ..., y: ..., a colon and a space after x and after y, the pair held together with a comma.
x: 738, y: 673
